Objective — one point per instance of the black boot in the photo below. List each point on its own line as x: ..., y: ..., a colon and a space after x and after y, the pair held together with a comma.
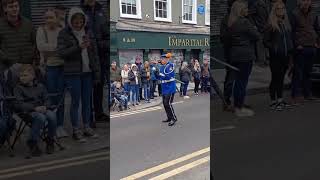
x: 172, y: 122
x: 165, y: 121
x: 50, y: 146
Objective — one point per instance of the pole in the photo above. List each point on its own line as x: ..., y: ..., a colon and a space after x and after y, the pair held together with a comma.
x: 224, y: 63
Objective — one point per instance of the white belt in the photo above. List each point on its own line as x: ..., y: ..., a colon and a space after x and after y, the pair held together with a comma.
x: 166, y: 81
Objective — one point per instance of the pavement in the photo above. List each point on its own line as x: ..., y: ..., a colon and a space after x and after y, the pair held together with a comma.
x: 259, y: 80
x: 271, y: 145
x: 145, y: 148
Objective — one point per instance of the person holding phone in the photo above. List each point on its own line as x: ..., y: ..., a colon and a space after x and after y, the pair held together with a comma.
x: 81, y: 69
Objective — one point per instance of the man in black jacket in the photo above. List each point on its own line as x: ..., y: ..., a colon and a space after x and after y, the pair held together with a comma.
x: 97, y: 23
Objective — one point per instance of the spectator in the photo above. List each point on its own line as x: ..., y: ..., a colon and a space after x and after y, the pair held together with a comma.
x: 230, y: 74
x: 197, y: 77
x: 153, y: 81
x: 278, y: 39
x: 97, y: 23
x: 121, y: 96
x: 61, y: 12
x: 243, y: 36
x: 18, y: 40
x: 145, y: 81
x: 76, y: 47
x: 125, y: 77
x: 134, y: 77
x: 185, y: 75
x: 306, y: 31
x: 47, y: 39
x: 140, y: 67
x: 205, y: 74
x: 159, y: 84
x: 32, y: 99
x: 115, y: 73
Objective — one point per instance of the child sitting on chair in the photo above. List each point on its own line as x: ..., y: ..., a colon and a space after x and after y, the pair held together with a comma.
x: 32, y: 100
x: 121, y: 95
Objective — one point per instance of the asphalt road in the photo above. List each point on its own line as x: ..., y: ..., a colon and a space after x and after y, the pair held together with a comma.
x: 141, y: 141
x: 271, y: 145
x: 81, y: 167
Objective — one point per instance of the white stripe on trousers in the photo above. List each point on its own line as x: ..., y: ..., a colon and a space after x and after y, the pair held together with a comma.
x: 172, y: 111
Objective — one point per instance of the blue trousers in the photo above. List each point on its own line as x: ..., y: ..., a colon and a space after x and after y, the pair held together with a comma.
x: 146, y: 89
x: 184, y: 87
x: 241, y: 83
x: 55, y: 84
x: 39, y: 120
x: 81, y: 90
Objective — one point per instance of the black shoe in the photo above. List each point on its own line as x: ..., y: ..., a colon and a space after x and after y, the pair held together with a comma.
x: 165, y: 121
x: 102, y: 118
x: 171, y: 123
x: 50, y: 146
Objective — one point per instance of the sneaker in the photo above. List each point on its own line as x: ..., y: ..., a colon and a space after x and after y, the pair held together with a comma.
x: 244, y: 112
x: 77, y: 135
x: 186, y: 97
x: 61, y: 133
x: 273, y: 105
x: 285, y: 104
x: 279, y: 107
x: 89, y: 133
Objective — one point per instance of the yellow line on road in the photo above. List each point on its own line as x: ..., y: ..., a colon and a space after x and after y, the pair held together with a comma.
x: 53, y: 162
x: 182, y: 169
x: 167, y: 164
x: 10, y: 175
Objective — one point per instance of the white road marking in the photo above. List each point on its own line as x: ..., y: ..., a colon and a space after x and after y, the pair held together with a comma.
x: 223, y: 128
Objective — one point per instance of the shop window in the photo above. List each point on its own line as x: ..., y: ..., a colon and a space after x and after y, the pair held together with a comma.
x: 207, y: 15
x: 130, y: 9
x: 129, y: 56
x: 189, y: 10
x: 162, y: 10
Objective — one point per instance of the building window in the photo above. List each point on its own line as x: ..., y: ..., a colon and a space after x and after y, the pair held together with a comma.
x: 162, y: 10
x: 130, y: 9
x: 207, y: 16
x: 189, y: 8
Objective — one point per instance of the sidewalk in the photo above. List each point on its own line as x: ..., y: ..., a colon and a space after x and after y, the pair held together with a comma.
x: 259, y: 80
x: 154, y: 102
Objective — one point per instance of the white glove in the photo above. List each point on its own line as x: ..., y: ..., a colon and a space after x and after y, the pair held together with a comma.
x: 161, y: 74
x: 154, y: 68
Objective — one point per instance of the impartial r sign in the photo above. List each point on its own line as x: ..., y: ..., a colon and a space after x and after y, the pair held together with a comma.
x: 173, y: 41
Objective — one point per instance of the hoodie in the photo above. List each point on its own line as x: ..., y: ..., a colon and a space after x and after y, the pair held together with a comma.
x: 77, y: 60
x: 79, y: 35
x: 134, y: 76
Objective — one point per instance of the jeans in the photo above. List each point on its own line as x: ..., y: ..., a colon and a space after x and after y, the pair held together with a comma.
x: 55, y: 84
x: 184, y: 87
x: 301, y: 83
x: 153, y: 85
x: 228, y: 85
x: 39, y: 120
x: 204, y: 85
x: 81, y: 89
x: 124, y: 101
x: 146, y: 89
x: 196, y: 87
x: 134, y: 93
x: 126, y: 87
x: 241, y: 82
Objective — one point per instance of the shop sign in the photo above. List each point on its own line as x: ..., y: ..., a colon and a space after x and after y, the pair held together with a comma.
x: 129, y: 40
x: 173, y: 41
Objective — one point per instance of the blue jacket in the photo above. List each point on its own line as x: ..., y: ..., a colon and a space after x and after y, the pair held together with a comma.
x: 167, y: 78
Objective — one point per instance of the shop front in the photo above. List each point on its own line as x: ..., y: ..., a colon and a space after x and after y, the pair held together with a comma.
x: 149, y: 46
